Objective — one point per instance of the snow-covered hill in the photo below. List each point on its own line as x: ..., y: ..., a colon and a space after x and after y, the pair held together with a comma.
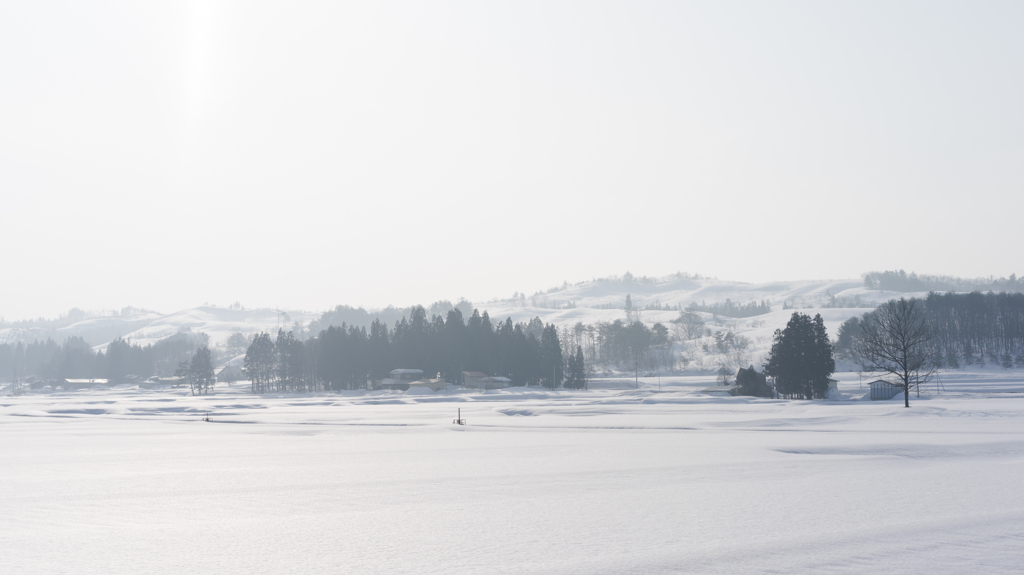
x: 604, y: 300
x: 146, y: 327
x: 661, y: 300
x: 219, y: 323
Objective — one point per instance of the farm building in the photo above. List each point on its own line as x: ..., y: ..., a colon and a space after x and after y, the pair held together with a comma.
x: 399, y: 379
x: 751, y: 382
x: 883, y: 390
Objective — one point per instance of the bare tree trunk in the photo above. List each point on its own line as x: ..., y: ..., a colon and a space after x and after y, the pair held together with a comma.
x: 893, y: 341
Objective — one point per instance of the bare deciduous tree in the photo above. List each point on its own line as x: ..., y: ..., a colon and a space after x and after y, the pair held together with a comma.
x: 688, y: 326
x: 893, y: 340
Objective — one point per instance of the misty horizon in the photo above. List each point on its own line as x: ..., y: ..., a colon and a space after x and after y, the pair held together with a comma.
x: 625, y: 278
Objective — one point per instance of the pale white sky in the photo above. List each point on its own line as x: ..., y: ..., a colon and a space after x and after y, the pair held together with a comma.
x: 307, y: 154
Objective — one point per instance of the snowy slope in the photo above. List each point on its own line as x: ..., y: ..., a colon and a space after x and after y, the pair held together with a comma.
x: 591, y: 298
x: 98, y: 328
x: 603, y: 301
x: 219, y: 323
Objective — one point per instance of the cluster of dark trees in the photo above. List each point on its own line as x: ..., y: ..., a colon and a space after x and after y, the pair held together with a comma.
x: 729, y: 308
x: 75, y: 359
x: 801, y: 358
x: 199, y: 371
x: 360, y: 317
x: 827, y: 300
x: 894, y: 341
x: 975, y: 327
x: 967, y: 329
x: 901, y: 281
x: 352, y: 357
x: 70, y: 324
x: 631, y: 345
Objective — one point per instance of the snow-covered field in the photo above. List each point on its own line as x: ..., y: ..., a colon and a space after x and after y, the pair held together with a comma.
x: 611, y: 480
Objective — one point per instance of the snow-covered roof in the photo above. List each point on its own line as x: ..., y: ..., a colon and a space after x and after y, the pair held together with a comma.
x: 474, y: 374
x: 406, y: 371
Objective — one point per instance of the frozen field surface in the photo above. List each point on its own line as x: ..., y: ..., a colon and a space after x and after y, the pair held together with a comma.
x: 612, y: 480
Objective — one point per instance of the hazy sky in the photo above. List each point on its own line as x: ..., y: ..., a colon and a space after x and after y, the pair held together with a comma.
x: 306, y: 154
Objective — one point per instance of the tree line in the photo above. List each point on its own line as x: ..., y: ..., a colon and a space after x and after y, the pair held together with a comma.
x: 901, y: 281
x: 348, y: 357
x: 967, y: 329
x: 732, y: 309
x: 75, y: 359
x: 630, y: 345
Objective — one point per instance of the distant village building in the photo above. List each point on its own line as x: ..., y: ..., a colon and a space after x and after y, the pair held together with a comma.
x: 432, y: 384
x: 399, y: 379
x: 480, y: 380
x: 82, y: 383
x: 162, y: 381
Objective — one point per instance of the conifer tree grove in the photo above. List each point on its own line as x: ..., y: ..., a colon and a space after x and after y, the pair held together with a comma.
x: 801, y: 358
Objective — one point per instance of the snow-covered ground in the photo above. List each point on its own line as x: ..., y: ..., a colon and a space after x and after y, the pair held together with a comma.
x: 611, y: 480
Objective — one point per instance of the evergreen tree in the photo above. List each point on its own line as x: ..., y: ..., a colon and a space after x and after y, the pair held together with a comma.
x: 261, y: 363
x: 118, y: 360
x: 801, y: 358
x: 200, y: 372
x: 576, y: 374
x: 503, y: 349
x: 551, y: 357
x: 286, y: 363
x: 455, y: 344
x: 379, y: 349
x: 581, y: 369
